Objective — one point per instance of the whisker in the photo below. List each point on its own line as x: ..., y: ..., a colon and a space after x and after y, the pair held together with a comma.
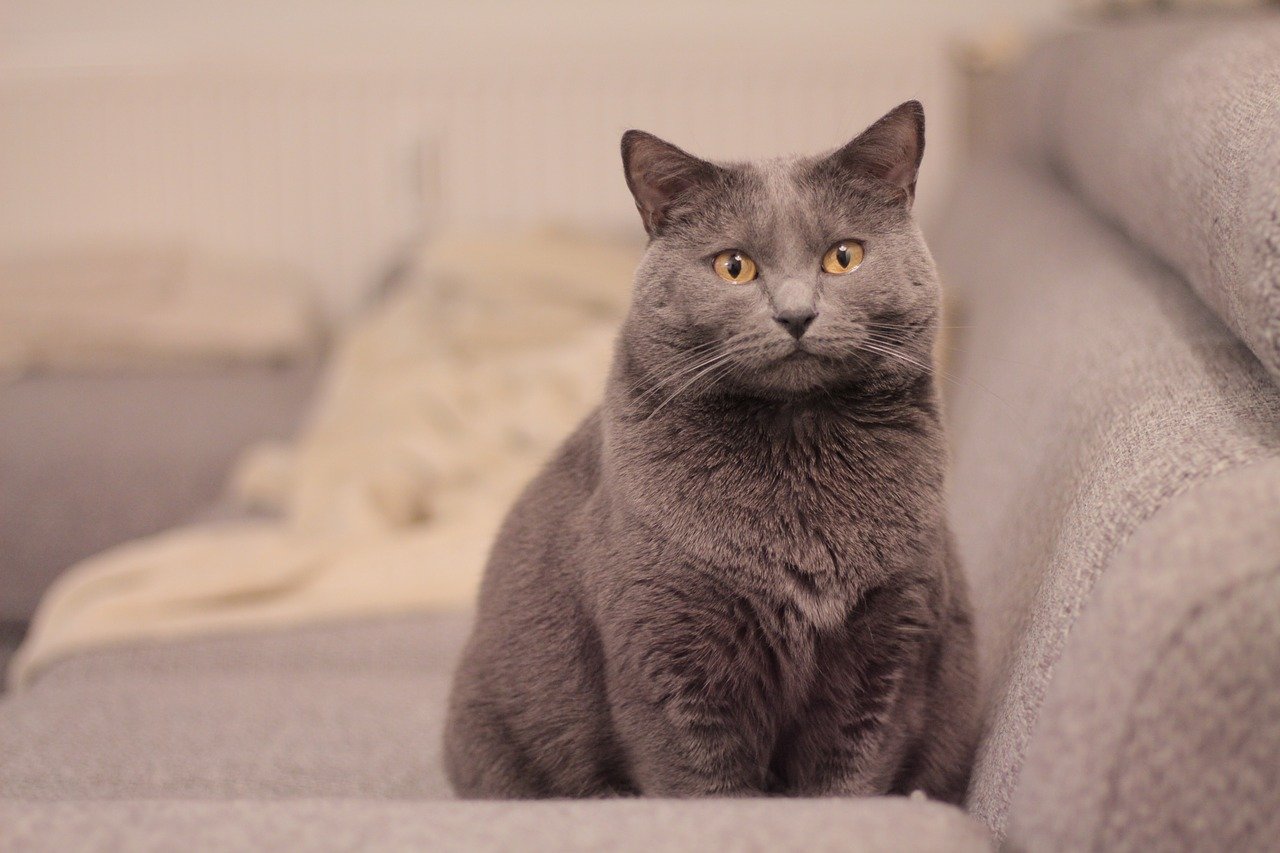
x: 719, y: 362
x: 682, y: 368
x: 958, y: 346
x: 695, y: 363
x: 884, y: 349
x: 677, y: 392
x: 912, y: 327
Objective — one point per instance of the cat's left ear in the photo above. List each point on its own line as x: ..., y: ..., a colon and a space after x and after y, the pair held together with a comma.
x: 889, y: 150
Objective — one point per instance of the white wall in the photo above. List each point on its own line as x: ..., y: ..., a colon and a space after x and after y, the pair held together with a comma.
x: 327, y: 132
x: 148, y: 32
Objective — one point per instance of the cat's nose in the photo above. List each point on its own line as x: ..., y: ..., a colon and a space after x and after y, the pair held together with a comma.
x: 796, y: 322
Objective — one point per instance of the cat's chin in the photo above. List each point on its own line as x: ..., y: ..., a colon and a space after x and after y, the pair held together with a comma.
x: 798, y: 372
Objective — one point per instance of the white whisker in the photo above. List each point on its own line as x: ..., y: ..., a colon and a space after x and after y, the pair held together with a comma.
x: 885, y: 348
x: 708, y: 367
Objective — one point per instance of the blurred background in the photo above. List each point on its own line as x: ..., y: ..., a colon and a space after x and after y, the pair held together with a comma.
x: 255, y: 257
x: 325, y: 134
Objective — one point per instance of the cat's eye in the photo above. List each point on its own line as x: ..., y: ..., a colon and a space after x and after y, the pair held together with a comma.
x: 735, y: 266
x: 843, y: 258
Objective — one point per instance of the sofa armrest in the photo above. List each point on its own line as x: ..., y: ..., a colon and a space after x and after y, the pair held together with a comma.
x: 879, y: 824
x: 1162, y: 724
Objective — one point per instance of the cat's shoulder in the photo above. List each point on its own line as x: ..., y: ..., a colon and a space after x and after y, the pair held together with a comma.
x: 580, y: 451
x: 556, y: 495
x: 574, y: 469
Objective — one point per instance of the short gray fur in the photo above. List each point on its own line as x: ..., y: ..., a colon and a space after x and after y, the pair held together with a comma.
x: 736, y: 576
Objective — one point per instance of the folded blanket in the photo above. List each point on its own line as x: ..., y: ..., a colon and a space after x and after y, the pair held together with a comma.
x: 96, y: 309
x: 248, y: 577
x: 479, y: 366
x: 437, y: 407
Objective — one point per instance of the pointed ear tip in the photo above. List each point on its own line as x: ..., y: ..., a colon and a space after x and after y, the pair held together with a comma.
x: 633, y: 138
x: 913, y: 108
x: 629, y: 141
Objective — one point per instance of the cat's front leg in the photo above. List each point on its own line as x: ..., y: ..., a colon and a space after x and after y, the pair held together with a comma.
x: 856, y: 732
x: 689, y: 686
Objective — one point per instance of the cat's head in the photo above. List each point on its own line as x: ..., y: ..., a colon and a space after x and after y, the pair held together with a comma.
x: 783, y: 277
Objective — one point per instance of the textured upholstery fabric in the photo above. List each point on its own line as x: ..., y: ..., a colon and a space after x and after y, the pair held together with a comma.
x: 893, y: 825
x: 350, y: 710
x: 1172, y: 129
x: 1163, y: 719
x: 87, y: 462
x: 218, y: 739
x: 1094, y: 388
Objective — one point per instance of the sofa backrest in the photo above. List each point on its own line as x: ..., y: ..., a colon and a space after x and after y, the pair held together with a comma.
x: 1116, y: 490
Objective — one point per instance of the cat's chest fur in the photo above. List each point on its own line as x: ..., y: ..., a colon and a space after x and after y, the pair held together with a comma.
x: 810, y: 504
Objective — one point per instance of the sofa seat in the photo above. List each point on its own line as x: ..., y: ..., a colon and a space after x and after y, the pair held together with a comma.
x: 888, y: 824
x: 349, y: 710
x: 329, y: 737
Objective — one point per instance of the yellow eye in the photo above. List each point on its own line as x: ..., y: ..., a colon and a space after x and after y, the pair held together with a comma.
x: 843, y: 258
x: 735, y: 266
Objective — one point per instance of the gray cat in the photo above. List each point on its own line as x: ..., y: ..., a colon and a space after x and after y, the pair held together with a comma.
x: 736, y: 576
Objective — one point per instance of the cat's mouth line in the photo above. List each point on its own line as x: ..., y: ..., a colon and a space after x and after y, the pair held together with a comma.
x: 801, y: 353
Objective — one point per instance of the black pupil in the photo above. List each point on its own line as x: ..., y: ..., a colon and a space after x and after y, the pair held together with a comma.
x: 734, y: 266
x: 842, y: 256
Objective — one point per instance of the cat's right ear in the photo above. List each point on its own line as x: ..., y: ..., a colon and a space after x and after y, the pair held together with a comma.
x: 659, y: 175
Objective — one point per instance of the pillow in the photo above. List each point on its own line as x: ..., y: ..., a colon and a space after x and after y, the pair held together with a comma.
x: 91, y: 309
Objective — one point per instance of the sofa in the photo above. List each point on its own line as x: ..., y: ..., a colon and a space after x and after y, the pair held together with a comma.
x: 131, y: 376
x: 1113, y: 393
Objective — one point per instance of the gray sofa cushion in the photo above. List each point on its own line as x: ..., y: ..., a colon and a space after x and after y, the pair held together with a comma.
x: 1172, y: 129
x: 87, y: 462
x: 1163, y: 718
x: 350, y: 710
x: 861, y: 826
x: 1094, y: 390
x: 316, y: 738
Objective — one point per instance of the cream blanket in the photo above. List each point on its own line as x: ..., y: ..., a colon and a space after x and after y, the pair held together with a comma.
x: 438, y: 405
